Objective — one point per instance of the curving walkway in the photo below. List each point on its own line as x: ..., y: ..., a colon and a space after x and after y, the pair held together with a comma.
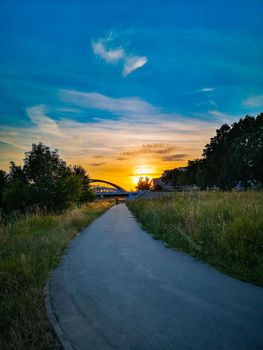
x: 118, y: 288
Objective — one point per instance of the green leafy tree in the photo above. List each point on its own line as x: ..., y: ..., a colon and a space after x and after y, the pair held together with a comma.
x: 45, y: 181
x: 87, y: 194
x: 234, y: 155
x: 16, y: 195
x: 172, y: 177
x: 197, y: 174
x: 3, y: 182
x: 53, y: 185
x: 246, y: 150
x: 256, y: 153
x: 216, y: 159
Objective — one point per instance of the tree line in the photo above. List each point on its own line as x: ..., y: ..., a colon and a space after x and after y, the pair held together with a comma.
x: 44, y: 181
x: 234, y: 156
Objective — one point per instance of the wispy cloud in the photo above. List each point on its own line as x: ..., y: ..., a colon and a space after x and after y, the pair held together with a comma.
x: 97, y: 164
x: 136, y: 110
x: 84, y: 140
x: 153, y: 148
x: 137, y: 113
x: 133, y: 62
x: 128, y: 106
x: 141, y: 135
x: 107, y: 50
x: 4, y: 144
x: 222, y: 117
x: 254, y: 101
x: 46, y: 125
x: 213, y: 103
x: 109, y: 55
x: 174, y: 157
x: 207, y: 89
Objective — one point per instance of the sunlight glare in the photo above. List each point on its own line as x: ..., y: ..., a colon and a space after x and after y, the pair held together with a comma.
x: 142, y: 172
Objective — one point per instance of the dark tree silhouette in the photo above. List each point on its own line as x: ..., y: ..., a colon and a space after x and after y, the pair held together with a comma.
x: 3, y: 180
x: 144, y: 184
x: 86, y: 194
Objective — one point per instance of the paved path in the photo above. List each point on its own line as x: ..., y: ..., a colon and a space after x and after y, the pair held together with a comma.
x: 118, y: 288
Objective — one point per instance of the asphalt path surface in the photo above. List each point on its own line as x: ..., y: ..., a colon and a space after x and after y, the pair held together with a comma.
x: 118, y: 288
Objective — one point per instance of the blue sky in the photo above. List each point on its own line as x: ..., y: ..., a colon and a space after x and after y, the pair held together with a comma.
x: 164, y: 73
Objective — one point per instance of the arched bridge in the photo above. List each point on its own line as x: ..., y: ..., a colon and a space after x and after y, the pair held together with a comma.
x: 104, y: 189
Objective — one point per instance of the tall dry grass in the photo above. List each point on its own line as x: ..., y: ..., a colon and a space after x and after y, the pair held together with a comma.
x: 224, y: 229
x: 30, y: 247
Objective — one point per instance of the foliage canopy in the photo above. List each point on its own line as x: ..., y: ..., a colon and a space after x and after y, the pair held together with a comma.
x: 233, y: 156
x: 44, y: 181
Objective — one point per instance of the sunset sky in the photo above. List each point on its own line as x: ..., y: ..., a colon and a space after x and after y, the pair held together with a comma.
x: 126, y: 88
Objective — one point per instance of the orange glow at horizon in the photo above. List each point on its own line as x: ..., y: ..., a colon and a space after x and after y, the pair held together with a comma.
x: 123, y: 173
x: 128, y: 175
x: 143, y: 171
x: 120, y: 151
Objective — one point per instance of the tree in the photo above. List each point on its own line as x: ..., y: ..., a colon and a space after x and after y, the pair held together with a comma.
x: 54, y: 186
x: 197, y: 174
x: 3, y: 181
x: 246, y: 151
x: 234, y: 155
x: 256, y: 152
x: 87, y: 194
x: 16, y: 195
x: 172, y: 177
x: 215, y: 159
x: 45, y: 181
x: 158, y: 188
x: 144, y: 184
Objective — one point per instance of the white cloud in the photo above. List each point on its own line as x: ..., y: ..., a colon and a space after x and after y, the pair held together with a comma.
x: 138, y: 123
x: 106, y: 49
x: 128, y: 106
x: 133, y: 110
x: 133, y: 62
x: 213, y: 103
x: 46, y: 125
x: 254, y: 101
x: 109, y: 55
x: 109, y: 137
x: 207, y: 89
x: 223, y: 117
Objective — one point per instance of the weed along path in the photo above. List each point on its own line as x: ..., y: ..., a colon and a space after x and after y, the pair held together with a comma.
x: 118, y: 288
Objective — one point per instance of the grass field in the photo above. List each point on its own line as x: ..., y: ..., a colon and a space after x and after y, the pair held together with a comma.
x: 29, y: 249
x: 224, y: 229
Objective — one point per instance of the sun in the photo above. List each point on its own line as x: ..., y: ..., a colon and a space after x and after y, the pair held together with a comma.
x: 143, y: 171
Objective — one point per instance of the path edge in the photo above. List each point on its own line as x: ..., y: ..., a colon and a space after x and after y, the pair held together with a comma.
x: 53, y: 319
x: 52, y: 316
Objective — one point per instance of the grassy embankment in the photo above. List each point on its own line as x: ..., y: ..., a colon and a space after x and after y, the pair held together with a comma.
x: 30, y: 247
x: 224, y: 229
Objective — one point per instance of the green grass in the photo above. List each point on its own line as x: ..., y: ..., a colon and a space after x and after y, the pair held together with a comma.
x: 224, y: 229
x: 30, y: 248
